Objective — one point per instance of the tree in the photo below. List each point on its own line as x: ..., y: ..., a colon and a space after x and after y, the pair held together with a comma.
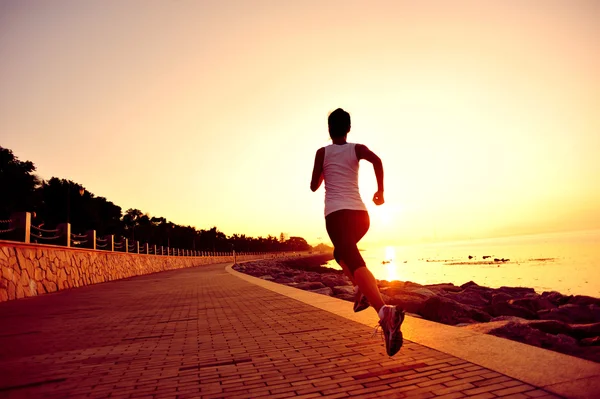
x: 59, y: 200
x: 130, y: 220
x: 18, y: 184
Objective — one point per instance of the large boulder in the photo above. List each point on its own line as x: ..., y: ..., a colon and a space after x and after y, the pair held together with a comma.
x: 526, y: 334
x: 333, y: 280
x: 585, y: 330
x: 583, y: 300
x: 446, y: 287
x: 595, y: 341
x: 470, y: 284
x: 551, y: 326
x: 313, y: 276
x: 500, y: 297
x: 420, y: 291
x: 507, y: 309
x: 410, y: 303
x: 281, y: 279
x: 556, y: 298
x: 533, y: 303
x: 517, y: 292
x: 448, y: 311
x: 572, y: 314
x: 469, y: 297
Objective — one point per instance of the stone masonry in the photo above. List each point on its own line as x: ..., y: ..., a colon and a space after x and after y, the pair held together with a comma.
x: 30, y: 269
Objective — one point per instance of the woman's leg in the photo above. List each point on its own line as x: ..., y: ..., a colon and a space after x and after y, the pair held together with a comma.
x: 344, y: 267
x: 345, y: 229
x: 368, y: 286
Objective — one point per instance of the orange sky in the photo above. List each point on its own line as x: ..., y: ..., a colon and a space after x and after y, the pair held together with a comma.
x: 486, y: 114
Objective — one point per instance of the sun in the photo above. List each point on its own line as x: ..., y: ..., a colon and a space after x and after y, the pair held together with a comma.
x: 386, y: 214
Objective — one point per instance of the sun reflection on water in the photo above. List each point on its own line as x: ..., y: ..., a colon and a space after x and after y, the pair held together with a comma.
x: 390, y: 264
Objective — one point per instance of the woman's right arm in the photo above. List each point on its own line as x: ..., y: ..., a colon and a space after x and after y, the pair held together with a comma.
x: 317, y: 175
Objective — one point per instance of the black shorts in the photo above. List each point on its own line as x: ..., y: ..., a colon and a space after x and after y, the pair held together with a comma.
x: 346, y: 227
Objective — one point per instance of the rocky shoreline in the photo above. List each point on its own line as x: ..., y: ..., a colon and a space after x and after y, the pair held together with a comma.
x: 568, y: 324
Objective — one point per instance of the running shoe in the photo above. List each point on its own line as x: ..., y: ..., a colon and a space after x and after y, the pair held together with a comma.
x: 360, y: 302
x: 393, y: 317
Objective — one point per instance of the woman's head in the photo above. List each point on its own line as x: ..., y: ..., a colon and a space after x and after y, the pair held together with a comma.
x: 339, y: 123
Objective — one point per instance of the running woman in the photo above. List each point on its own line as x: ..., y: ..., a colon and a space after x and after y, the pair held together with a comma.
x: 347, y: 219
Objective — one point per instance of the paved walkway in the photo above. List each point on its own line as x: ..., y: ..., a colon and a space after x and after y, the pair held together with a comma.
x: 204, y: 332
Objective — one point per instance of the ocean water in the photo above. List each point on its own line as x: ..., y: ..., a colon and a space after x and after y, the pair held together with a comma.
x: 564, y: 262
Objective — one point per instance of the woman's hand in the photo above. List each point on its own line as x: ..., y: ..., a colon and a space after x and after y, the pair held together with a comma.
x: 378, y: 198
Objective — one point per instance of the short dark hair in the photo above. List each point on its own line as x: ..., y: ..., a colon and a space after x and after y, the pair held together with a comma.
x: 339, y: 123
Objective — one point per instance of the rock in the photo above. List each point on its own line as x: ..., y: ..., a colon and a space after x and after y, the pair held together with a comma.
x: 551, y: 326
x: 446, y: 287
x: 500, y: 297
x: 392, y: 291
x: 410, y: 303
x: 267, y: 277
x: 469, y: 297
x: 283, y: 280
x: 313, y: 277
x: 447, y: 311
x: 517, y: 292
x: 509, y: 318
x: 531, y: 336
x: 595, y: 341
x: 11, y: 290
x: 345, y: 297
x: 585, y: 330
x: 533, y: 303
x: 49, y: 286
x: 469, y: 284
x: 300, y: 278
x: 324, y: 291
x: 421, y: 291
x: 484, y: 292
x: 506, y: 309
x: 332, y: 280
x: 572, y: 314
x: 343, y: 290
x: 583, y: 300
x: 556, y: 297
x: 314, y: 285
x: 410, y: 284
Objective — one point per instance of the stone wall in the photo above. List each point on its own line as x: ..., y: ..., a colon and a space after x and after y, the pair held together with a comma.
x: 32, y: 269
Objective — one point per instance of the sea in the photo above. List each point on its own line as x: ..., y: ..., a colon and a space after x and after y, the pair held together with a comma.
x: 565, y: 262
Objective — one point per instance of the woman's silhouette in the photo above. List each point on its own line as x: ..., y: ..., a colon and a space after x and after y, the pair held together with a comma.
x: 347, y: 219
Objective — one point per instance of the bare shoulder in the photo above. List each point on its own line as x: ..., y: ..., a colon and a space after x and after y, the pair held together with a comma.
x: 362, y: 151
x: 320, y: 153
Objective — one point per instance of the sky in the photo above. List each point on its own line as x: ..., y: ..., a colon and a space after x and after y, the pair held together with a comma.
x: 209, y: 113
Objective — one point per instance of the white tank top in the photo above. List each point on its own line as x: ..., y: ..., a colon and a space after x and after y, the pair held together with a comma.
x: 340, y: 171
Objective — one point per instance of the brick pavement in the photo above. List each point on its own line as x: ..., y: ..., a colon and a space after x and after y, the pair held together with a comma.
x: 204, y: 333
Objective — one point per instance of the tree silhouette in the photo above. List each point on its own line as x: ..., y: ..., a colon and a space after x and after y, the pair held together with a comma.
x: 17, y: 183
x: 59, y: 200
